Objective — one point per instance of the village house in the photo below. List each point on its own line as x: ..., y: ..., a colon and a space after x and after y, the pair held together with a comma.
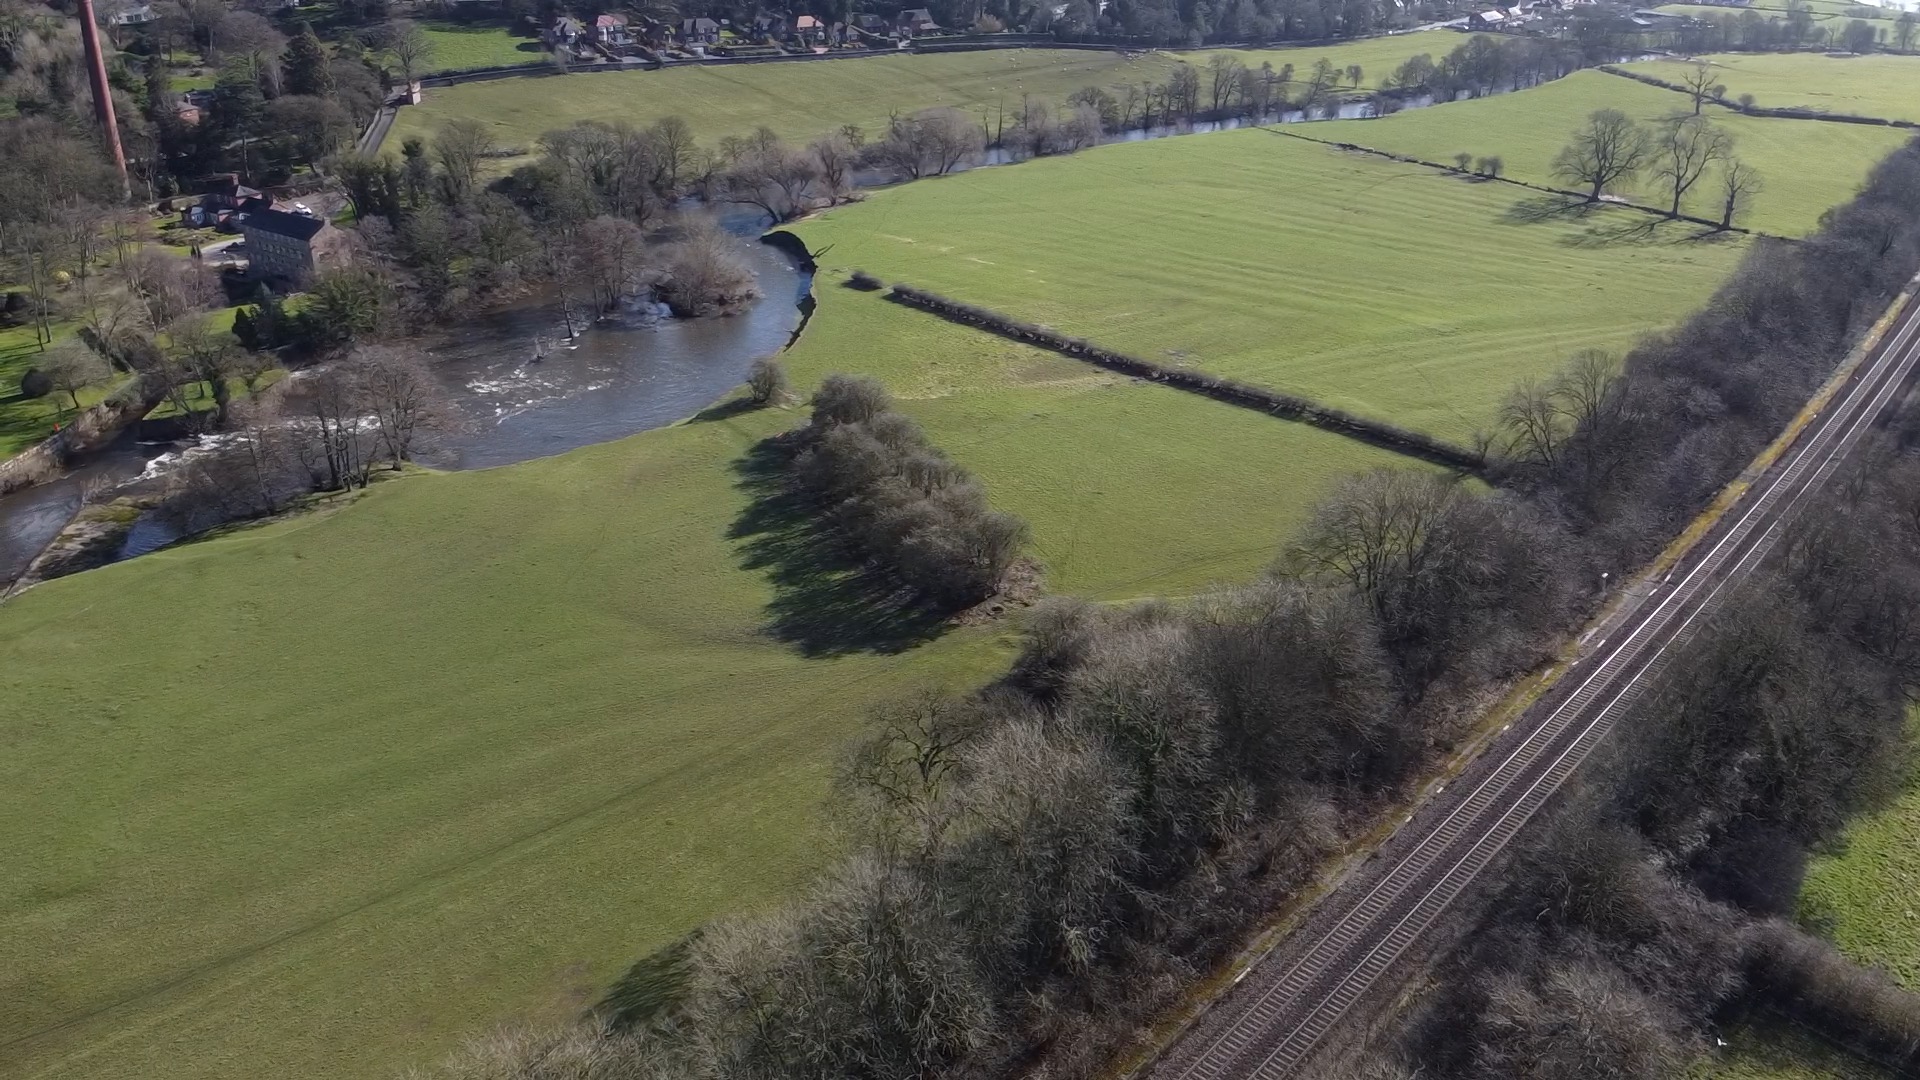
x: 872, y: 24
x: 289, y: 247
x: 222, y: 196
x: 1490, y: 19
x: 611, y: 30
x: 138, y: 15
x: 915, y: 21
x: 700, y: 31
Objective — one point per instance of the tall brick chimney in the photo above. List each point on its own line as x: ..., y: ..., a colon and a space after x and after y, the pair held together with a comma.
x: 102, y: 93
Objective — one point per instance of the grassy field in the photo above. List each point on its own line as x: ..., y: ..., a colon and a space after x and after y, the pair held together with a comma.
x: 1883, y: 86
x: 804, y: 101
x: 317, y: 798
x: 1780, y: 1053
x: 1807, y: 166
x: 1253, y: 255
x: 25, y: 421
x: 1863, y: 896
x: 458, y: 46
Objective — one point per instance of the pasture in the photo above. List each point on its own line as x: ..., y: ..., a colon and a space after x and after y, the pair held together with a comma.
x: 1862, y: 895
x: 1807, y: 166
x: 806, y: 100
x: 458, y: 46
x: 320, y: 797
x: 1880, y: 85
x: 1385, y: 289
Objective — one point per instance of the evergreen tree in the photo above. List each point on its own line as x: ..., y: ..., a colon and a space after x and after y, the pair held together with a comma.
x: 159, y: 89
x: 309, y: 68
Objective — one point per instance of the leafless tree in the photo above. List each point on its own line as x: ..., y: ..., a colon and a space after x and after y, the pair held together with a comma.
x: 1226, y: 70
x: 612, y: 254
x: 704, y: 273
x: 171, y: 287
x: 400, y: 395
x: 460, y: 147
x: 254, y: 39
x: 835, y: 156
x: 1609, y: 150
x: 341, y: 443
x: 766, y: 381
x: 1739, y: 183
x: 1701, y: 85
x: 770, y: 175
x: 930, y: 143
x: 1683, y: 152
x: 409, y: 46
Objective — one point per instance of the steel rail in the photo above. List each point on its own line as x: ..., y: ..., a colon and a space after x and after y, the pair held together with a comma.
x: 1272, y: 1032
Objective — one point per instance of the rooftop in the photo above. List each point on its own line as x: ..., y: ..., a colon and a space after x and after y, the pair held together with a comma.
x: 280, y: 223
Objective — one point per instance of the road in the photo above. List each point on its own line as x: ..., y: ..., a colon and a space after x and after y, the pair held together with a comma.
x: 1276, y: 1015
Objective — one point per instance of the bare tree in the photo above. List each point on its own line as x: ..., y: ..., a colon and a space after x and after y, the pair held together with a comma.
x: 1685, y: 149
x: 766, y: 381
x: 1226, y: 71
x: 1701, y: 85
x: 1610, y: 149
x: 835, y: 157
x: 1739, y: 183
x: 460, y: 146
x: 401, y: 396
x: 613, y: 256
x: 409, y: 46
x: 772, y: 176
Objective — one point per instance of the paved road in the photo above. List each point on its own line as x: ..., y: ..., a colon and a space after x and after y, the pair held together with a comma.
x: 1272, y: 1020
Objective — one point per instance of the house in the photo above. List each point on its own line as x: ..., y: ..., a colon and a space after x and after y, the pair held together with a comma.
x: 871, y: 24
x: 188, y: 113
x: 222, y: 194
x: 138, y: 15
x: 699, y: 31
x: 611, y: 30
x: 808, y: 29
x: 289, y: 247
x: 1490, y: 19
x: 564, y: 33
x: 915, y: 21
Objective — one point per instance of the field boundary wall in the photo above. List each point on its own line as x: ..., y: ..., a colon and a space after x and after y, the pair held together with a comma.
x: 1761, y: 111
x: 1287, y: 406
x: 1609, y: 201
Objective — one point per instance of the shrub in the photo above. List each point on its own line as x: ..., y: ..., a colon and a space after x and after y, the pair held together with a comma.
x: 767, y: 381
x: 898, y: 500
x: 849, y: 399
x: 35, y: 384
x: 865, y: 282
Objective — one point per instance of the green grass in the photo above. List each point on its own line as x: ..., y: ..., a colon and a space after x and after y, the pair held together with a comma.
x: 1807, y: 166
x: 25, y: 421
x: 1879, y: 85
x: 1780, y: 1053
x: 458, y: 46
x: 316, y: 799
x: 181, y: 81
x: 804, y: 101
x: 1866, y: 895
x: 1382, y: 288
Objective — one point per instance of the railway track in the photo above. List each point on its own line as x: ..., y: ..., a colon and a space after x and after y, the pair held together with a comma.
x: 1274, y: 1018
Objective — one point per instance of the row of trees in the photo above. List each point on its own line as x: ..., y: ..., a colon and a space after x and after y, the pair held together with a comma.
x: 1648, y: 911
x: 1752, y: 29
x: 897, y: 500
x: 1677, y: 154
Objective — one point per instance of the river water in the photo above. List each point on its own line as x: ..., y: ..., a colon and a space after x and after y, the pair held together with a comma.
x: 627, y: 372
x: 631, y: 371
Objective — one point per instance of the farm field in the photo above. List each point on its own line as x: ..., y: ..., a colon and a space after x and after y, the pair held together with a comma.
x: 458, y: 46
x: 1880, y: 85
x: 321, y: 797
x: 1254, y: 255
x: 804, y: 101
x: 1807, y: 166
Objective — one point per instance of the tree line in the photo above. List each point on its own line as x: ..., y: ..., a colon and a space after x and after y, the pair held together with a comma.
x: 1657, y: 903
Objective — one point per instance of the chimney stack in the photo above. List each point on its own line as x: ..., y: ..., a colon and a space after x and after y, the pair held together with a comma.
x: 102, y: 93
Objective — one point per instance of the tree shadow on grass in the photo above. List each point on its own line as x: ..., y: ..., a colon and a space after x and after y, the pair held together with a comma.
x: 1607, y: 225
x: 826, y: 602
x: 652, y: 986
